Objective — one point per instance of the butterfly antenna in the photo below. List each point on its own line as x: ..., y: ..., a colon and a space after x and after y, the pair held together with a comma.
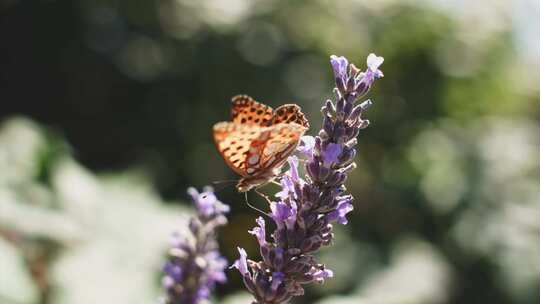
x: 222, y: 184
x: 253, y: 207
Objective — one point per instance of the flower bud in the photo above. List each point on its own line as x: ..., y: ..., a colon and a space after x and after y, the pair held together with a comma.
x: 328, y: 109
x: 348, y: 154
x: 347, y: 110
x: 328, y: 125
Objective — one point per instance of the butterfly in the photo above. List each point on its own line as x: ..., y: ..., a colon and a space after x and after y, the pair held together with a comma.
x: 258, y: 140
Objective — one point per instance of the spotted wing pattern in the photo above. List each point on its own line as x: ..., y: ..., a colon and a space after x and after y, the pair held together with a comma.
x: 289, y: 113
x: 233, y: 141
x: 281, y: 143
x: 272, y: 147
x: 245, y: 110
x: 259, y: 140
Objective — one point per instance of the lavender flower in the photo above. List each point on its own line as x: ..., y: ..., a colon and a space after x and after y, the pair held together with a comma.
x: 306, y: 208
x: 194, y: 264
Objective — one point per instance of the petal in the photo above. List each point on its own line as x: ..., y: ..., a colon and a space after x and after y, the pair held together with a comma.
x: 277, y: 278
x: 293, y: 164
x: 241, y: 263
x: 322, y: 274
x: 193, y: 193
x: 280, y: 211
x: 287, y: 187
x: 290, y: 221
x: 331, y: 154
x: 339, y: 65
x: 260, y: 232
x: 307, y: 143
x: 374, y: 62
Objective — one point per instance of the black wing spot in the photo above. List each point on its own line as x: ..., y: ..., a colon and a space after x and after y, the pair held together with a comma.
x: 253, y: 110
x: 243, y: 120
x: 256, y: 120
x: 280, y: 112
x: 259, y: 112
x: 250, y: 117
x: 291, y: 110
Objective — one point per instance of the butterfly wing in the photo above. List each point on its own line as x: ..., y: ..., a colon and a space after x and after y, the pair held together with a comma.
x: 289, y: 113
x: 258, y: 139
x: 281, y: 141
x: 245, y: 110
x: 233, y: 142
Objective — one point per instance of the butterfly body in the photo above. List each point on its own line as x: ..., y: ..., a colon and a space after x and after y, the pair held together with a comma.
x: 258, y: 140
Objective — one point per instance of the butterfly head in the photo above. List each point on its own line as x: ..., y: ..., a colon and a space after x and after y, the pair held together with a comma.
x: 244, y: 186
x: 249, y: 183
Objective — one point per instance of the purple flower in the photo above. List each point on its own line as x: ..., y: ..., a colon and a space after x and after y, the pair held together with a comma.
x: 340, y: 66
x: 373, y: 63
x: 287, y: 188
x: 290, y: 221
x: 173, y: 271
x: 280, y: 212
x: 241, y: 263
x: 206, y: 202
x: 277, y: 278
x: 331, y: 154
x: 293, y: 171
x: 289, y: 179
x: 309, y: 206
x: 194, y: 264
x: 367, y: 78
x: 216, y: 266
x: 340, y: 213
x: 260, y: 231
x: 322, y: 274
x: 307, y: 143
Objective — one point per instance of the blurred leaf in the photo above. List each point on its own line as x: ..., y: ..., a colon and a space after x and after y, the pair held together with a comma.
x: 21, y: 142
x: 417, y: 274
x: 126, y: 228
x: 36, y: 221
x: 16, y: 284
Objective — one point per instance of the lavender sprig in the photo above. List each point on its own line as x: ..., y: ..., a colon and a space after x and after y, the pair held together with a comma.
x: 195, y: 264
x: 307, y: 207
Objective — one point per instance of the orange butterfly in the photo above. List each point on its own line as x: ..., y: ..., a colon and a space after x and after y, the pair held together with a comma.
x: 258, y: 140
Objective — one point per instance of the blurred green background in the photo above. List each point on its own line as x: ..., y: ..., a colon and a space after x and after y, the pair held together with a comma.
x: 106, y: 115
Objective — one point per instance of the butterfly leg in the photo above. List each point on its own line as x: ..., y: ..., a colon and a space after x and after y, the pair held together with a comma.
x: 266, y: 197
x: 251, y: 206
